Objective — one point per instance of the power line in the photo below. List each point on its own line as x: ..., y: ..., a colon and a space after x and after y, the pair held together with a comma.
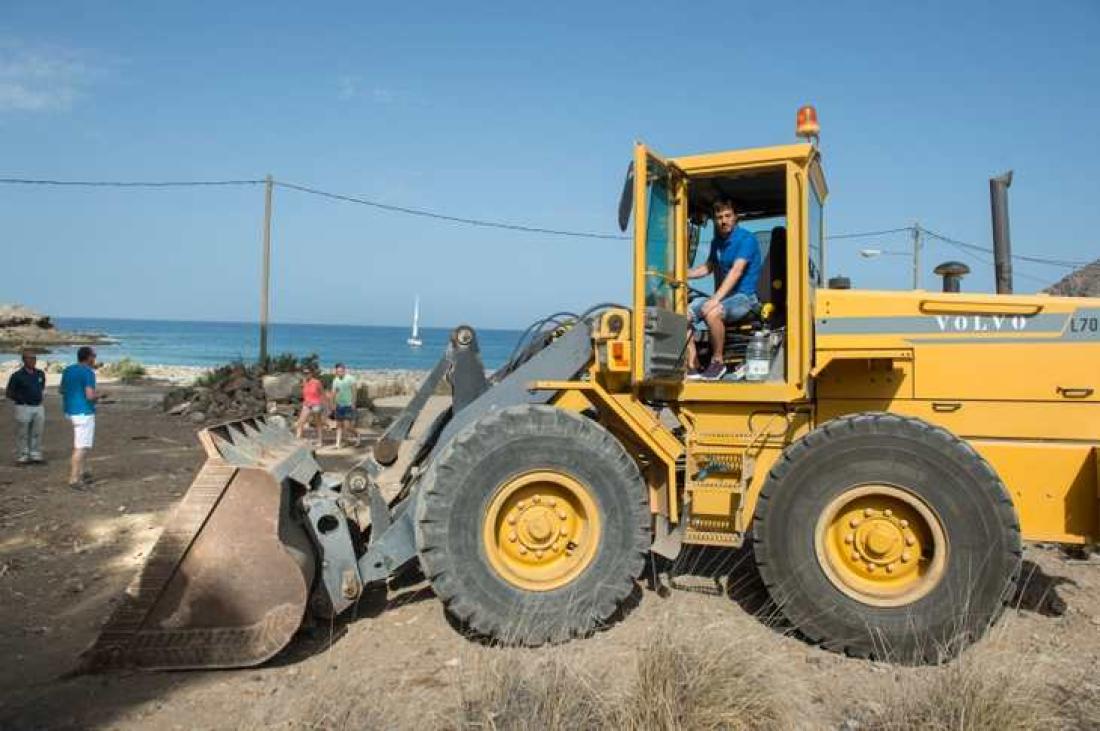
x: 864, y: 234
x: 128, y: 183
x: 1068, y: 263
x: 444, y: 217
x: 484, y: 223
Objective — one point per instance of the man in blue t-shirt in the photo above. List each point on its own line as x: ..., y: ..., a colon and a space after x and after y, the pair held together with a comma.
x: 78, y: 395
x: 735, y: 262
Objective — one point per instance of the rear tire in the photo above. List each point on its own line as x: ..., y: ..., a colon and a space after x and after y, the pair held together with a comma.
x: 887, y: 537
x: 533, y: 525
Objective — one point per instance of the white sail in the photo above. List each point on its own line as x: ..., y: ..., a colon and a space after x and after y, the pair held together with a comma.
x: 414, y: 339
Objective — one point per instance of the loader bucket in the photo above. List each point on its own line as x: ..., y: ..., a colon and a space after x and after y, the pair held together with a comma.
x: 227, y: 583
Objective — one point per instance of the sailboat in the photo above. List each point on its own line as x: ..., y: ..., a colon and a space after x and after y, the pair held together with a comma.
x: 414, y: 339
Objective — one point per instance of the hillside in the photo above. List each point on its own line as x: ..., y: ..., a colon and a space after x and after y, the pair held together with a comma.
x: 1085, y: 282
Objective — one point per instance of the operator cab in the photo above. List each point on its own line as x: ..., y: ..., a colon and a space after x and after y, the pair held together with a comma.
x: 778, y: 195
x: 760, y: 200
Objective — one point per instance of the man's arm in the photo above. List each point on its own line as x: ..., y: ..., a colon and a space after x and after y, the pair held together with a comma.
x: 700, y: 271
x: 731, y: 279
x: 9, y: 391
x: 90, y: 391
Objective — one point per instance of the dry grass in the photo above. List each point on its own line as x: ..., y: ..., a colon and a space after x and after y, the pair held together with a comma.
x: 510, y: 691
x: 676, y: 681
x: 694, y: 682
x: 987, y: 688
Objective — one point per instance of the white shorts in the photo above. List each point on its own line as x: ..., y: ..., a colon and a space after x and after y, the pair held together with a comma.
x: 83, y: 430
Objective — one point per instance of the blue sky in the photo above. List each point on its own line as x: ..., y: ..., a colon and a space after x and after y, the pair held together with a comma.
x: 523, y: 113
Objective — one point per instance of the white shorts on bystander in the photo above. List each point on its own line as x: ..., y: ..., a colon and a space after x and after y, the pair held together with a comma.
x: 83, y: 430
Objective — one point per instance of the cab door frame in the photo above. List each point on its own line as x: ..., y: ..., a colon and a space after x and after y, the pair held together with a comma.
x: 678, y: 185
x: 795, y: 160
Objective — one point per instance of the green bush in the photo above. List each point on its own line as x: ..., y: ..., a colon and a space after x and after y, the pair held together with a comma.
x: 288, y: 363
x: 281, y: 363
x: 126, y: 370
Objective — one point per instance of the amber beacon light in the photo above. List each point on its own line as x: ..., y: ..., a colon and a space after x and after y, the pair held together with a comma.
x: 806, y: 125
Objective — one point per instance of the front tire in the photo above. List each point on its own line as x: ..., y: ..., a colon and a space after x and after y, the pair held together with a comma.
x: 887, y: 537
x: 533, y: 525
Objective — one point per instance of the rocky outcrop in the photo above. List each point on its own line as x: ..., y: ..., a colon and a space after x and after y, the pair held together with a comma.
x: 22, y: 327
x: 1085, y: 282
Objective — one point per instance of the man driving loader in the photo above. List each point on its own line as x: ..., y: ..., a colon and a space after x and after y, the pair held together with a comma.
x: 735, y: 261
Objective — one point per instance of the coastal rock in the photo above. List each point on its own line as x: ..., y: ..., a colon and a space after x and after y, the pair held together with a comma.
x: 22, y: 327
x: 196, y: 417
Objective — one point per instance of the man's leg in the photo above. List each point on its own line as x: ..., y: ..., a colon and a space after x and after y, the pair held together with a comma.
x: 76, y: 466
x: 37, y: 426
x: 693, y: 318
x: 22, y: 433
x: 716, y: 323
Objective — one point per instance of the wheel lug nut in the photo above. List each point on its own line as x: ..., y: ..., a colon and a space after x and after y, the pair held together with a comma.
x: 868, y: 512
x: 521, y: 504
x: 903, y: 523
x: 855, y: 555
x: 538, y: 554
x: 905, y: 556
x: 563, y: 532
x: 870, y: 568
x: 910, y: 540
x: 536, y: 499
x: 551, y: 502
x: 512, y: 536
x: 561, y: 514
x: 849, y: 538
x: 887, y: 512
x: 511, y: 520
x: 853, y: 522
x: 889, y: 568
x: 522, y: 551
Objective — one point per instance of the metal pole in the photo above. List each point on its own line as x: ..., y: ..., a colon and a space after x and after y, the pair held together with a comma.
x: 265, y: 277
x: 916, y: 254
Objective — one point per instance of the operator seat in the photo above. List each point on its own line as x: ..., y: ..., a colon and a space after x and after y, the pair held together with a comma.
x: 770, y: 290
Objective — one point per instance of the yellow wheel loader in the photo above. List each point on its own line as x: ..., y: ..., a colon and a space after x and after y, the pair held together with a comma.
x: 885, y: 452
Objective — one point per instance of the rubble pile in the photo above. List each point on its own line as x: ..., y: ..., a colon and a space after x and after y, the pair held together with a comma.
x: 241, y: 394
x: 243, y: 391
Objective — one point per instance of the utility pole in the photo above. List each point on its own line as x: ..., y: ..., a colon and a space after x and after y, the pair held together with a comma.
x: 917, y: 243
x: 265, y: 276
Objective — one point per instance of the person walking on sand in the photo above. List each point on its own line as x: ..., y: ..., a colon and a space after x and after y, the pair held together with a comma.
x: 343, y: 399
x: 313, y: 406
x: 25, y: 388
x: 79, y: 396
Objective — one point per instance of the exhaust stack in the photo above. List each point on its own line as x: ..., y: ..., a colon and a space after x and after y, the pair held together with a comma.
x: 952, y: 273
x: 1002, y: 242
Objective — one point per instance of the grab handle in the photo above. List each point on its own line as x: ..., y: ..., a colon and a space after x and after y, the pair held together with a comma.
x: 1074, y: 392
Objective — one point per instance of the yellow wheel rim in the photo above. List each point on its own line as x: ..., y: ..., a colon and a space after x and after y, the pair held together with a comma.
x: 541, y: 530
x: 881, y: 545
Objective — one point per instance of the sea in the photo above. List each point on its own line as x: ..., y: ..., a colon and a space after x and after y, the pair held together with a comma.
x: 181, y: 342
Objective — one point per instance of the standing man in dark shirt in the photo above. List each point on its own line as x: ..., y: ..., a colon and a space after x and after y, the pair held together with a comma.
x: 25, y: 388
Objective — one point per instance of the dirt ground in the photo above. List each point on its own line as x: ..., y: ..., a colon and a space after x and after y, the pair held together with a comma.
x: 66, y: 556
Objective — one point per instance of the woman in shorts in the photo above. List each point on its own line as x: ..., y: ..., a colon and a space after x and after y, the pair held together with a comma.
x: 313, y: 406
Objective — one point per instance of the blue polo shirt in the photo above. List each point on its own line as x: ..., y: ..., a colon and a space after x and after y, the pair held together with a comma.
x: 740, y: 244
x: 74, y: 380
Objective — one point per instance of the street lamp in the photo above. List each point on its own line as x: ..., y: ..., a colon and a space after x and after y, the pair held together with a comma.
x: 875, y: 253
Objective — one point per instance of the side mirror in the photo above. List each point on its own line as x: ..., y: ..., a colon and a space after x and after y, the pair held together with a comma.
x: 626, y: 200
